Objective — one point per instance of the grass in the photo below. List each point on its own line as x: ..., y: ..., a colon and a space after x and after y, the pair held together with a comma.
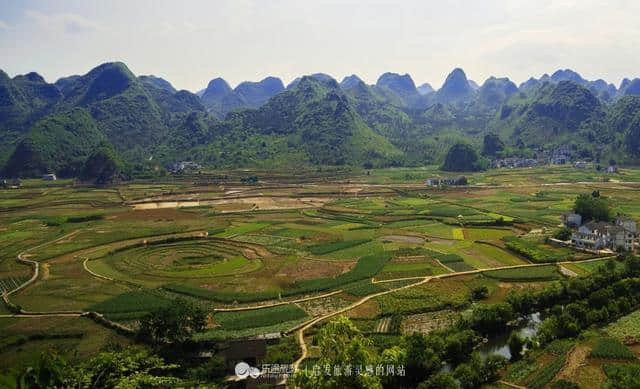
x: 326, y: 248
x: 525, y: 274
x: 610, y: 348
x: 259, y: 318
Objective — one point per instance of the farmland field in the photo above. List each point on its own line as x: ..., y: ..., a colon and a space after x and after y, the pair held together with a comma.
x: 269, y: 257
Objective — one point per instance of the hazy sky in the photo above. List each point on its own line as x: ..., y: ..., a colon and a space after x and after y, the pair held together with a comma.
x: 191, y: 42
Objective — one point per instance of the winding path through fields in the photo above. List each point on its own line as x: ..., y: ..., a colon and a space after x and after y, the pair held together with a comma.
x: 300, y: 329
x: 305, y: 326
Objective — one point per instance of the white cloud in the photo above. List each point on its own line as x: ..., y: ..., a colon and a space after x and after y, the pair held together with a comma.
x: 3, y: 25
x: 68, y: 22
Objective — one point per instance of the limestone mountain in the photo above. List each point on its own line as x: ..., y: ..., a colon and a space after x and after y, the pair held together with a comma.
x: 425, y: 89
x: 495, y: 91
x: 317, y: 76
x: 400, y: 85
x: 158, y: 83
x: 552, y: 112
x: 257, y: 93
x: 605, y: 91
x: 312, y: 123
x: 456, y: 88
x: 59, y: 143
x: 350, y: 81
x: 66, y: 83
x: 316, y: 121
x: 121, y: 105
x: 220, y: 99
x: 631, y: 87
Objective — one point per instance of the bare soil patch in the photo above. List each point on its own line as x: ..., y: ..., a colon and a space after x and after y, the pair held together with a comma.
x: 427, y: 322
x: 45, y: 271
x: 306, y: 269
x: 575, y: 359
x: 367, y: 310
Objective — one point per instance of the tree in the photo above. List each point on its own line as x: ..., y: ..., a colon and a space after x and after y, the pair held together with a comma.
x: 51, y: 371
x: 479, y: 292
x: 516, y: 345
x: 462, y: 157
x: 130, y: 368
x: 592, y: 208
x: 341, y: 344
x: 422, y: 361
x: 467, y: 376
x: 440, y: 381
x: 172, y: 324
x: 103, y: 165
x: 489, y: 319
x: 492, y: 145
x: 563, y: 234
x: 632, y: 137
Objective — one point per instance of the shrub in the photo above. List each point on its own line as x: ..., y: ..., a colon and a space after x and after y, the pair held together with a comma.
x: 563, y: 234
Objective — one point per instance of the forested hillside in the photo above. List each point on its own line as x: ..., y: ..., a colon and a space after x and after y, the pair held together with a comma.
x: 315, y: 120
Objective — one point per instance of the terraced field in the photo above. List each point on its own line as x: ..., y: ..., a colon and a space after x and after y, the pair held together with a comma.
x: 371, y: 256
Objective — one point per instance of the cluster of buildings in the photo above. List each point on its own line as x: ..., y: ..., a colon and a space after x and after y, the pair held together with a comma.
x: 179, y: 167
x: 512, y: 163
x: 461, y: 180
x: 561, y: 155
x: 621, y: 235
x: 10, y: 184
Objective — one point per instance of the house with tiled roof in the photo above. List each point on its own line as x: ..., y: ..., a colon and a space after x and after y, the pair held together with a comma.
x: 619, y: 236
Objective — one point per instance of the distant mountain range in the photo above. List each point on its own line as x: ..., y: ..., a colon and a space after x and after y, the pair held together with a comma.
x: 314, y: 120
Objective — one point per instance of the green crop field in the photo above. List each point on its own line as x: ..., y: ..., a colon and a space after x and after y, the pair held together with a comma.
x: 610, y: 348
x: 526, y: 274
x: 626, y: 326
x: 327, y: 248
x: 259, y: 318
x: 314, y: 245
x: 131, y: 305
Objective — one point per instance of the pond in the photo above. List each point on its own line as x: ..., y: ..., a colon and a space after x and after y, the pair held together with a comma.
x: 498, y: 344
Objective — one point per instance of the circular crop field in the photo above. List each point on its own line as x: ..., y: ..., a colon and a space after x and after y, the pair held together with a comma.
x: 194, y: 258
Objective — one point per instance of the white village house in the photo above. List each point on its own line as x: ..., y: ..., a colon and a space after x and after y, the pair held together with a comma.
x: 619, y: 236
